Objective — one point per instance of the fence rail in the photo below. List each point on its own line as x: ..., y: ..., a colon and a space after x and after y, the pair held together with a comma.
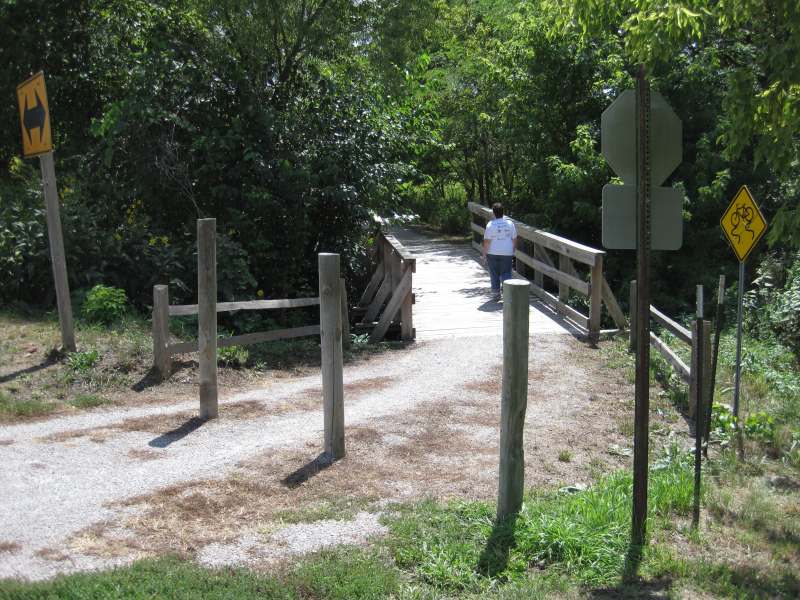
x: 697, y: 376
x: 388, y: 299
x: 533, y: 257
x: 164, y: 349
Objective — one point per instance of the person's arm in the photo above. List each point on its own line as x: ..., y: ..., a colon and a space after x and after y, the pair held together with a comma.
x: 485, y: 248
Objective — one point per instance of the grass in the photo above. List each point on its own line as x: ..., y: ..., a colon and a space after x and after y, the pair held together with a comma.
x: 21, y: 407
x: 565, y: 456
x: 88, y: 401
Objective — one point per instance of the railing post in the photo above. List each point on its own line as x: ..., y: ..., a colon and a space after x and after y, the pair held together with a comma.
x: 406, y: 311
x: 701, y: 368
x: 397, y: 277
x: 162, y: 360
x: 595, y: 298
x: 516, y: 316
x: 330, y: 324
x: 207, y: 316
x: 563, y: 288
x: 632, y: 310
x: 538, y: 278
x: 345, y: 313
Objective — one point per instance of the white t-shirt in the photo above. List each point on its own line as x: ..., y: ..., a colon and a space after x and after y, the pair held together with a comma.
x: 500, y: 232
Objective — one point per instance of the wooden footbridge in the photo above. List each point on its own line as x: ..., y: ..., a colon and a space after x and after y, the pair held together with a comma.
x: 430, y: 288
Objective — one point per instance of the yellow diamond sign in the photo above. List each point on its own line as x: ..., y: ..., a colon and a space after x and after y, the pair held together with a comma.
x: 743, y: 223
x: 34, y: 116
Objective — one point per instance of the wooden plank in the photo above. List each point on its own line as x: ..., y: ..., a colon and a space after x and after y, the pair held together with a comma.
x: 676, y: 329
x: 406, y: 310
x: 563, y: 288
x: 247, y: 339
x: 207, y: 316
x: 332, y: 357
x: 477, y: 246
x: 392, y: 307
x: 191, y: 309
x: 670, y: 356
x: 514, y: 398
x: 613, y: 306
x: 564, y: 309
x: 380, y: 297
x: 161, y: 358
x: 401, y: 251
x: 573, y: 282
x: 477, y: 228
x: 372, y: 286
x: 58, y: 258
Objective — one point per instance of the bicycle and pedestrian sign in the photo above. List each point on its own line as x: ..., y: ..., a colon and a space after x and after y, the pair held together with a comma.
x: 743, y: 223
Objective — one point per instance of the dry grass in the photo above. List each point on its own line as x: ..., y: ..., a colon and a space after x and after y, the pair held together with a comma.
x: 9, y: 547
x: 51, y: 554
x: 143, y: 455
x: 6, y: 442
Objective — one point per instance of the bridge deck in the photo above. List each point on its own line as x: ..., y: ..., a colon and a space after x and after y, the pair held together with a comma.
x: 453, y: 298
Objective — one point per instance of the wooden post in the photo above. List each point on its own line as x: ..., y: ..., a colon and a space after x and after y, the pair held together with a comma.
x: 162, y: 360
x: 516, y: 316
x: 345, y: 313
x: 57, y: 255
x: 331, y: 337
x: 207, y: 315
x: 397, y: 277
x: 406, y: 311
x: 538, y: 278
x: 719, y: 323
x: 595, y: 298
x: 563, y: 288
x: 700, y: 341
x: 632, y: 309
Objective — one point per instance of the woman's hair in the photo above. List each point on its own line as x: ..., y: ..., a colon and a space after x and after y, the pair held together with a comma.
x: 497, y: 209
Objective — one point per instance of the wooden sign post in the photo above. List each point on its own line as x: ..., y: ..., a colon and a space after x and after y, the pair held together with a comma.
x: 34, y: 120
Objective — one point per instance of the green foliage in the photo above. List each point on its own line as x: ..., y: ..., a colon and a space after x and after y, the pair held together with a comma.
x: 773, y: 303
x: 585, y: 534
x: 347, y: 573
x: 104, y: 304
x: 29, y: 407
x: 83, y: 362
x: 233, y: 356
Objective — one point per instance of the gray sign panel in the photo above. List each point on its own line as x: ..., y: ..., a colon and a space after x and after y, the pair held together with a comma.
x: 619, y: 218
x: 618, y: 137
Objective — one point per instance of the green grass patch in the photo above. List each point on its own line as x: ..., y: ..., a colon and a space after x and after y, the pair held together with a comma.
x: 341, y: 509
x: 24, y: 407
x: 88, y: 401
x: 344, y: 574
x: 459, y: 548
x: 162, y: 578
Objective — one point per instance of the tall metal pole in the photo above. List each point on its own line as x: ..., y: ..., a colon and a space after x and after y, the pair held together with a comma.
x: 737, y: 383
x: 642, y: 411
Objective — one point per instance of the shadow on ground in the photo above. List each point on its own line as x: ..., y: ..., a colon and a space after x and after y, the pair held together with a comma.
x: 173, y: 435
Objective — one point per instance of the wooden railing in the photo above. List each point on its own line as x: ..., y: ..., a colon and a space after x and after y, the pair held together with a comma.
x: 164, y: 349
x: 388, y: 299
x: 534, y: 258
x: 695, y: 375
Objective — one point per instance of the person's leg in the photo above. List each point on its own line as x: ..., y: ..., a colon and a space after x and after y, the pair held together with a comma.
x: 505, y: 269
x: 494, y: 265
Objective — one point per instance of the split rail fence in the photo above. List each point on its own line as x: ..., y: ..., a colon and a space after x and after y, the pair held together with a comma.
x: 534, y: 261
x: 164, y: 349
x: 387, y: 301
x: 698, y: 374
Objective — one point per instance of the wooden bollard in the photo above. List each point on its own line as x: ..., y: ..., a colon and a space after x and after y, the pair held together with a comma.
x: 207, y: 315
x: 162, y: 360
x: 516, y: 314
x: 330, y: 323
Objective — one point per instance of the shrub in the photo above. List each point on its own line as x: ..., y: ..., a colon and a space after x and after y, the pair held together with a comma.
x: 233, y: 356
x: 83, y: 362
x: 105, y: 304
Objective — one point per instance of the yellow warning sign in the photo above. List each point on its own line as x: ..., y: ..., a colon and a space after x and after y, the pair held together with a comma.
x: 743, y: 223
x: 34, y: 116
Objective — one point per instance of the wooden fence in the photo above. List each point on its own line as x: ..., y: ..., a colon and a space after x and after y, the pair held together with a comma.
x: 388, y: 299
x: 164, y: 349
x: 534, y: 258
x: 696, y: 376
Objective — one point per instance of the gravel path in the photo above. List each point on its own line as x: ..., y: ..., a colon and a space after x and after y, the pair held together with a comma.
x: 54, y: 488
x: 65, y: 475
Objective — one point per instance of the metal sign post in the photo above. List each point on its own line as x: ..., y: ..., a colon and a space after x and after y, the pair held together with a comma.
x: 641, y: 432
x: 34, y: 120
x: 743, y: 225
